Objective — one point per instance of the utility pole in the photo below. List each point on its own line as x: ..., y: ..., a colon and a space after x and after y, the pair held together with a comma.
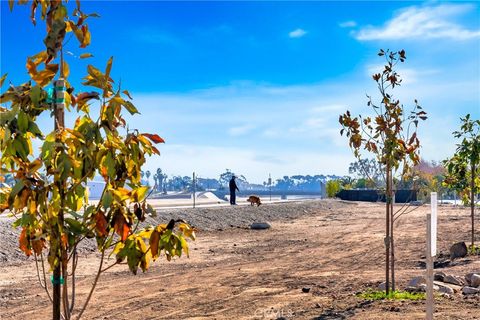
x: 270, y: 185
x: 193, y: 183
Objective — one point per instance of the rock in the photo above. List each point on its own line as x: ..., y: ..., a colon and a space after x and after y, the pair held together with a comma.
x: 412, y: 289
x: 260, y: 226
x: 415, y: 282
x: 458, y: 250
x: 453, y: 280
x: 455, y: 288
x: 470, y: 290
x: 382, y: 286
x: 423, y: 287
x: 439, y: 276
x: 306, y: 290
x: 445, y: 289
x: 475, y: 281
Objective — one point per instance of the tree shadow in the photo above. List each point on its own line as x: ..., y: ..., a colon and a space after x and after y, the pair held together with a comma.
x: 331, y: 314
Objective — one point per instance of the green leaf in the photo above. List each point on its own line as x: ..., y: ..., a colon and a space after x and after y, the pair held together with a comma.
x: 21, y: 147
x: 130, y: 107
x: 22, y: 122
x: 35, y: 95
x: 109, y: 163
x: 107, y: 199
x: 33, y: 128
x: 17, y: 188
x: 76, y: 226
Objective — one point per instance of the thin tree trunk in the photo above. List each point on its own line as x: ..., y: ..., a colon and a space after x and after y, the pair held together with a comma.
x: 59, y: 251
x: 472, y: 203
x: 392, y: 243
x: 387, y: 235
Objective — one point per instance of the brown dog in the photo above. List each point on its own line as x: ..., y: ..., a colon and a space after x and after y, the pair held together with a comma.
x: 254, y: 200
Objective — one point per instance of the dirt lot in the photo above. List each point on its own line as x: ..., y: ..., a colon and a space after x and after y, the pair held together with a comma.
x: 334, y: 248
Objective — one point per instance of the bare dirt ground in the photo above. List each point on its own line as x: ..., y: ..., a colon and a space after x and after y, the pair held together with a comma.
x: 334, y: 248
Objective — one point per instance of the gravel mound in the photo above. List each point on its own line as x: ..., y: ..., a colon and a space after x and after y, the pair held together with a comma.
x: 204, y: 219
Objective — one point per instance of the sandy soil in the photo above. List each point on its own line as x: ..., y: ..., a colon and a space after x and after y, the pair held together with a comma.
x: 334, y: 248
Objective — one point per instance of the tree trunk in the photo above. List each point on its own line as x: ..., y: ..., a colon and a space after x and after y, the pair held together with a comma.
x: 472, y: 203
x: 392, y: 243
x: 387, y: 234
x: 59, y: 252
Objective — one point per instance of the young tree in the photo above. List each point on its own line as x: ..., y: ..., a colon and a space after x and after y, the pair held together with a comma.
x: 463, y: 169
x: 49, y: 198
x: 391, y: 135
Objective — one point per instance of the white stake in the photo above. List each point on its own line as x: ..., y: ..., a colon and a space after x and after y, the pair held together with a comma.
x: 431, y: 252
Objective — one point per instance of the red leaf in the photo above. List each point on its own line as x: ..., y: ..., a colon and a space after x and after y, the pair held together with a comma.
x: 24, y: 242
x: 121, y: 226
x: 38, y: 246
x: 101, y: 224
x: 154, y: 137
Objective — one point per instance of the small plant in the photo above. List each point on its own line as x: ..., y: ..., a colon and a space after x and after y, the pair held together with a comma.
x: 474, y: 250
x: 392, y: 295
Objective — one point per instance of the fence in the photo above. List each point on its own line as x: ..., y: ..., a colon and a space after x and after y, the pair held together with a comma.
x: 401, y: 196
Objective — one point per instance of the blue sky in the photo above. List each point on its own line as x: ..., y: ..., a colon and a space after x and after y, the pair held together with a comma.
x: 257, y: 87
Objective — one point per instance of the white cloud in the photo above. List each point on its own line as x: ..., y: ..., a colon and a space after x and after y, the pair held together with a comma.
x: 240, y: 130
x: 297, y: 33
x: 422, y: 22
x: 257, y: 128
x: 210, y: 161
x: 348, y: 24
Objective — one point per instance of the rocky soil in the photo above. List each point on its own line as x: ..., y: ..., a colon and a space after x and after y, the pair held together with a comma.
x: 310, y: 264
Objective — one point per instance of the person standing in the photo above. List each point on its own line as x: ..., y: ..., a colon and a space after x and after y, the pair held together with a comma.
x: 233, y: 188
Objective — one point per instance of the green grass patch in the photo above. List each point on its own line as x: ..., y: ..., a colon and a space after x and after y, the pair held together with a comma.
x: 392, y: 295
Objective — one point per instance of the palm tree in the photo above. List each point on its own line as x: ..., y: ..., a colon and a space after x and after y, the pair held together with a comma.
x: 159, y: 179
x: 147, y: 174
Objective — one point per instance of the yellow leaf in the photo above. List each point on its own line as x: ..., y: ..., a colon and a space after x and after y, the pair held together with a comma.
x: 34, y: 165
x: 187, y: 230
x: 66, y: 69
x: 86, y: 37
x: 10, y: 4
x: 121, y: 194
x: 146, y: 233
x: 33, y: 206
x: 184, y: 245
x: 119, y: 246
x: 109, y: 67
x: 139, y: 194
x: 86, y: 55
x: 2, y: 79
x: 154, y: 239
x: 44, y: 77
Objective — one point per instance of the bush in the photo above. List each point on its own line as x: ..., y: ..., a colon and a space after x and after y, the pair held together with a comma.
x: 332, y: 188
